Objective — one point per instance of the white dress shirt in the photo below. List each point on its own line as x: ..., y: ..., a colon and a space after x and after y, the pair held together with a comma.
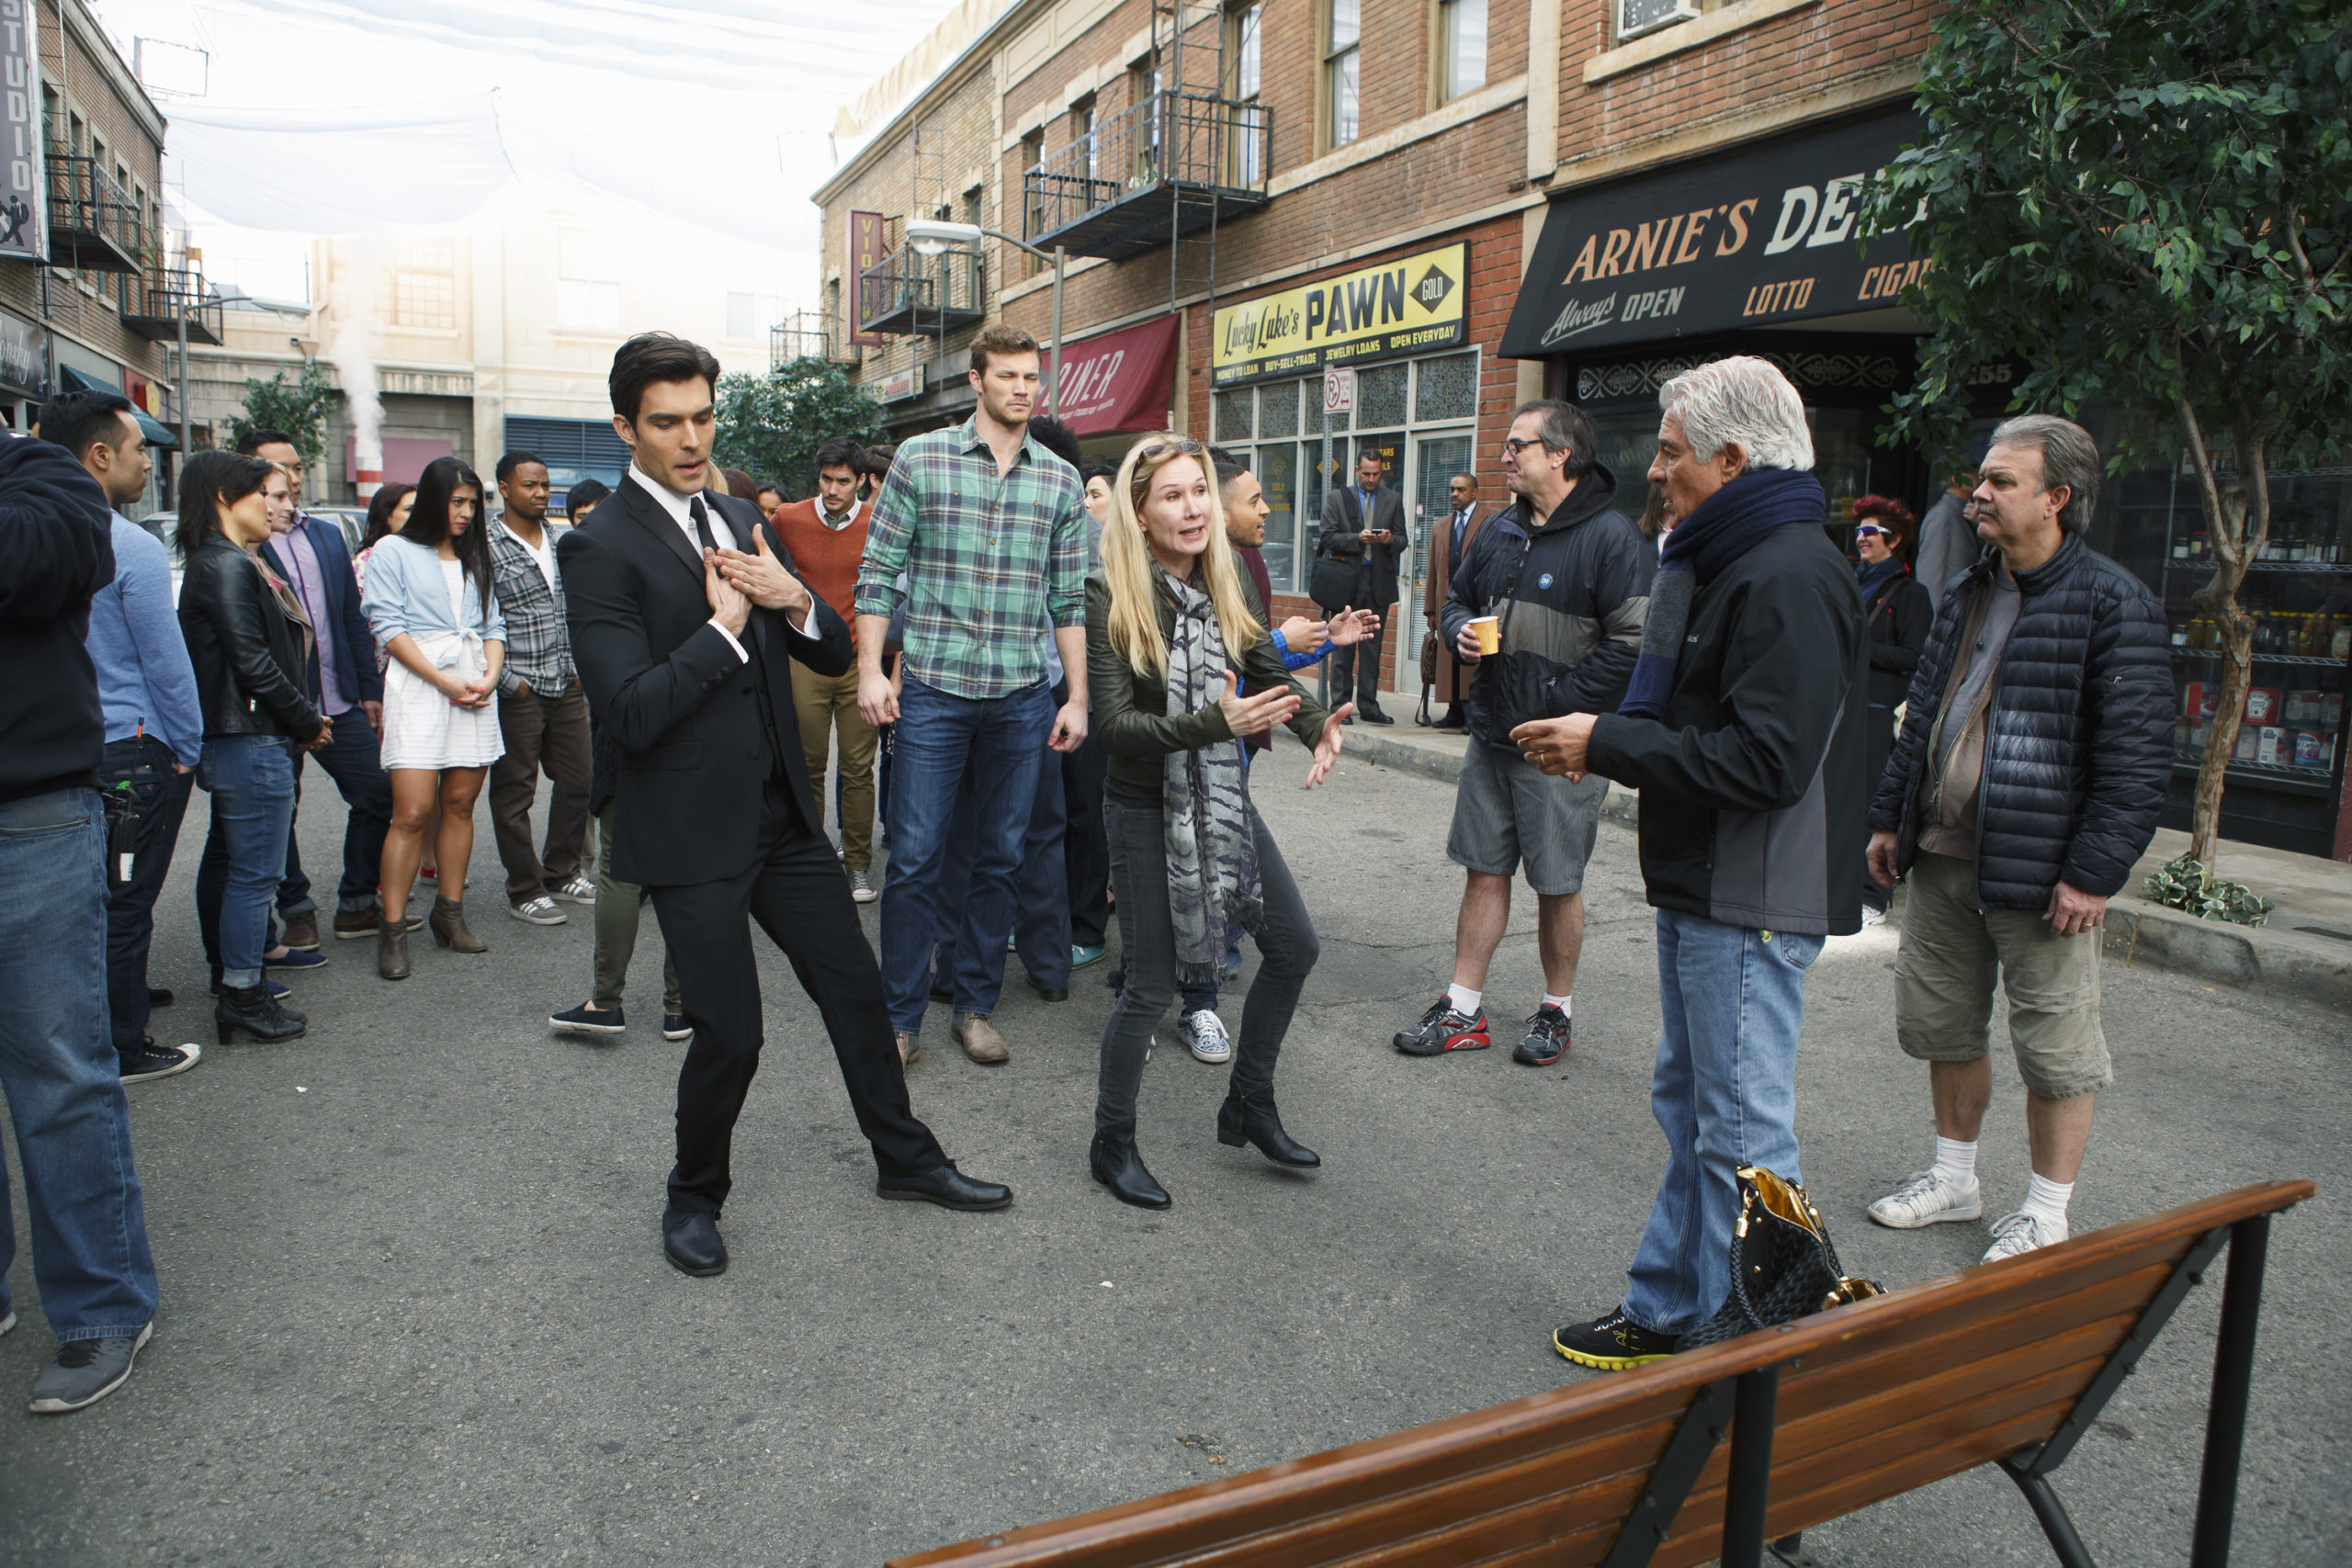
x: 679, y: 507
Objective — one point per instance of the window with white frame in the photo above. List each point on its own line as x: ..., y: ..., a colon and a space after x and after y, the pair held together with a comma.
x: 1245, y: 24
x: 587, y: 291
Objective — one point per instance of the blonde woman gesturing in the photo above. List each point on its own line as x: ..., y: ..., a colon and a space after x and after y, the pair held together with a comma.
x: 1170, y: 624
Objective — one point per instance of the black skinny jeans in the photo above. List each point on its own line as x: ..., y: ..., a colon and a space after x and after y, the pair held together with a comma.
x: 1287, y: 946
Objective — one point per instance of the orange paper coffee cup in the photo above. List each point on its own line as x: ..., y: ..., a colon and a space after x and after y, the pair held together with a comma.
x: 1488, y: 631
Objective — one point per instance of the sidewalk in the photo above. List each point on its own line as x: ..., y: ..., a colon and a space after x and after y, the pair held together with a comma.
x: 2306, y: 950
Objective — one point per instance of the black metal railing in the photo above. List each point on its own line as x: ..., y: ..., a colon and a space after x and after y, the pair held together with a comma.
x: 907, y: 292
x: 808, y: 334
x: 156, y: 302
x: 1178, y: 137
x: 93, y: 222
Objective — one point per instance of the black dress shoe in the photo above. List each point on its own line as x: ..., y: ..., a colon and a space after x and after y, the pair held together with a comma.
x: 1373, y: 715
x: 1245, y: 1119
x: 1118, y: 1167
x: 1050, y: 993
x: 159, y: 996
x: 948, y: 1186
x: 690, y: 1243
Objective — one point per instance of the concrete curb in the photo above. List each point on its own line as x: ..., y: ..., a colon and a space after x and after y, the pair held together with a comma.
x: 2139, y: 933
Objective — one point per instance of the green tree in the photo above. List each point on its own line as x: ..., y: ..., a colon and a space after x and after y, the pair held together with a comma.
x: 2146, y: 202
x: 300, y: 410
x: 773, y: 425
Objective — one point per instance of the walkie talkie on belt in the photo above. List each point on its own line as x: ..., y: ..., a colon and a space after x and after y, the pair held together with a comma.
x: 126, y: 805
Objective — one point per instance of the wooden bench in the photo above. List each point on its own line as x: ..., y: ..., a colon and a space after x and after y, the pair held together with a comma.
x: 2006, y: 1363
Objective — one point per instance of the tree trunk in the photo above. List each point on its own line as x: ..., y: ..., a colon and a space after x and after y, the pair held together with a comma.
x: 2237, y: 517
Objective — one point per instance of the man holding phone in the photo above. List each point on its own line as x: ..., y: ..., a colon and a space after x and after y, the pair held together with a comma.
x: 1363, y: 535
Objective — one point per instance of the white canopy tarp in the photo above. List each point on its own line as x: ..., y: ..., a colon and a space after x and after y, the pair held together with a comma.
x: 339, y: 170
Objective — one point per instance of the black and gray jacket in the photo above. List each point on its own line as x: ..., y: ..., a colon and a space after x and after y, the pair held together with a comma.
x: 2078, y: 729
x: 1572, y: 596
x: 1753, y: 784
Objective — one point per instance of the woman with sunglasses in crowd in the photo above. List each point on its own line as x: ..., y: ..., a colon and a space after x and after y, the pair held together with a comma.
x: 1170, y: 624
x: 249, y: 642
x: 431, y: 604
x: 1898, y: 612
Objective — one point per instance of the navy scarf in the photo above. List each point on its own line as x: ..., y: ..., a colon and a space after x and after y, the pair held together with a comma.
x: 1867, y: 578
x: 1726, y: 525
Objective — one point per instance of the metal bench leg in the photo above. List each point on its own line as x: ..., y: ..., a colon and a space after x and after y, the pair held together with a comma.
x: 2055, y: 1522
x: 2217, y: 1487
x: 1756, y: 1396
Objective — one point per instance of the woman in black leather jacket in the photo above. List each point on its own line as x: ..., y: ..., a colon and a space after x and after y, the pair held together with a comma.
x: 250, y: 643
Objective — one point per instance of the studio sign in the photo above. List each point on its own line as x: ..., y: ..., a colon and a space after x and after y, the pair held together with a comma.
x: 1765, y: 234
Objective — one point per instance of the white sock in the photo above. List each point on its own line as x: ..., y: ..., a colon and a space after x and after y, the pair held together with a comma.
x: 1956, y: 1161
x: 2046, y: 1199
x: 1463, y: 1000
x: 1560, y: 1001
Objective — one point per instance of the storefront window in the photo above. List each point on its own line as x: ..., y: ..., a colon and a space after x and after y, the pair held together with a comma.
x: 1290, y: 462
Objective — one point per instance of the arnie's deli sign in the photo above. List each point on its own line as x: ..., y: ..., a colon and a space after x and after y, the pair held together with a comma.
x: 1765, y: 234
x: 1409, y: 306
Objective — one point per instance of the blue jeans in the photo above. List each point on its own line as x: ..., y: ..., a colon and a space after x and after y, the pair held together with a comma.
x: 1041, y: 899
x: 86, y: 1218
x: 1724, y: 1092
x: 1002, y: 741
x: 251, y: 778
x: 353, y: 760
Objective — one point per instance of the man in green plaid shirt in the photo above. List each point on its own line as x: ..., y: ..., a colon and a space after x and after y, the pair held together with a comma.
x: 990, y: 530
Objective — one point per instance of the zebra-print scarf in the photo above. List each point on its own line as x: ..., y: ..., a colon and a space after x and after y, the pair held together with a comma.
x: 1212, y: 849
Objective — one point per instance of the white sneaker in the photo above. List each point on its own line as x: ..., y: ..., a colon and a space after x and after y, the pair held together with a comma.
x: 2013, y: 1235
x: 1925, y: 1198
x: 1204, y: 1032
x: 1873, y: 917
x: 861, y: 888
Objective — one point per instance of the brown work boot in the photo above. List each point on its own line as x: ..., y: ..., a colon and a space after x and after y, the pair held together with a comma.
x: 979, y: 1039
x: 302, y: 933
x: 908, y: 1051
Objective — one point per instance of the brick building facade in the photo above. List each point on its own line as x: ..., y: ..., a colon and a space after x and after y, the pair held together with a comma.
x: 90, y: 312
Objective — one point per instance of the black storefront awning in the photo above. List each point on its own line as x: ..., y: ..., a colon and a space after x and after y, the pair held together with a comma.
x: 1765, y: 234
x: 157, y: 432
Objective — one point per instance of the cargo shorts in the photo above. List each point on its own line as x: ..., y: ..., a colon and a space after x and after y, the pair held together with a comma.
x: 1506, y: 812
x: 1952, y: 955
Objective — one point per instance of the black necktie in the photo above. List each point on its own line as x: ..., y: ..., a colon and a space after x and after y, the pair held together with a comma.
x: 702, y: 523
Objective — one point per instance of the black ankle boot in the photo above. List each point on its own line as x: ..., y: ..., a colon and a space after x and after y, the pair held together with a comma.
x: 1248, y: 1118
x: 1118, y: 1167
x: 254, y: 1010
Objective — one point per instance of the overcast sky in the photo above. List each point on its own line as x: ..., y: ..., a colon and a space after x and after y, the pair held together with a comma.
x: 718, y: 108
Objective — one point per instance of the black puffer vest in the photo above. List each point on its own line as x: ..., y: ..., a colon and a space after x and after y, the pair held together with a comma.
x: 2079, y: 731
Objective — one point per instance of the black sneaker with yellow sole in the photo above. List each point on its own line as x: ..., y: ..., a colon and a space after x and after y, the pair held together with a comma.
x: 1613, y: 1343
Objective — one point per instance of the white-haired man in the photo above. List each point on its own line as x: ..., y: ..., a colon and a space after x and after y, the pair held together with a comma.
x: 1742, y: 727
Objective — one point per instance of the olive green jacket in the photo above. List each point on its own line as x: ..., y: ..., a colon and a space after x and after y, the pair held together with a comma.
x: 1130, y: 710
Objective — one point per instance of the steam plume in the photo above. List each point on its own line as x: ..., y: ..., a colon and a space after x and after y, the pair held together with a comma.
x: 353, y: 352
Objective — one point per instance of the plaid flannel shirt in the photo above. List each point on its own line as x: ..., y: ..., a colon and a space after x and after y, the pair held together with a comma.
x: 990, y: 560
x: 538, y: 645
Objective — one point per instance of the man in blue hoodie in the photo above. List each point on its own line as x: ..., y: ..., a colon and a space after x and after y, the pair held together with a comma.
x: 1743, y: 729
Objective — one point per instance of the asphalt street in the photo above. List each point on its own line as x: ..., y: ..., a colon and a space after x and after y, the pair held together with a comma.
x: 414, y: 1309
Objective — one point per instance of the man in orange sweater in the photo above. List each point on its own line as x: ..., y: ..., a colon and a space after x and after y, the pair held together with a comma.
x: 826, y: 535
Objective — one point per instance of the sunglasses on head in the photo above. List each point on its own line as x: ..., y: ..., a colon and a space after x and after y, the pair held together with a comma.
x: 1159, y: 449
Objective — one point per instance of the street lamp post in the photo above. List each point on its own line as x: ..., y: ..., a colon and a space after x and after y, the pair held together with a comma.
x: 932, y: 236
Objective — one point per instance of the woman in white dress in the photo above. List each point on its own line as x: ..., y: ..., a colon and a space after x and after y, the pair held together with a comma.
x: 431, y: 603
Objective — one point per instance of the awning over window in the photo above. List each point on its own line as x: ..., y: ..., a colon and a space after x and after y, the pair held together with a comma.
x: 157, y: 432
x: 1120, y: 380
x: 1760, y: 235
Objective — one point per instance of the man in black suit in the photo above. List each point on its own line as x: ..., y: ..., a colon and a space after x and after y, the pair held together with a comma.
x: 682, y: 635
x: 1363, y: 535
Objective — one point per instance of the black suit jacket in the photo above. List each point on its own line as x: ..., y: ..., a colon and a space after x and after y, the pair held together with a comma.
x: 682, y: 707
x: 1373, y: 580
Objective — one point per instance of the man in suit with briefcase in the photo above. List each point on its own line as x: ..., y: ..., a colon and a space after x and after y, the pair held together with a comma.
x: 1355, y: 567
x: 685, y: 613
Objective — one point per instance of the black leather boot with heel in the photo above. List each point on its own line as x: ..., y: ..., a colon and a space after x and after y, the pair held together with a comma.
x: 1118, y: 1167
x: 1252, y: 1119
x: 253, y: 1010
